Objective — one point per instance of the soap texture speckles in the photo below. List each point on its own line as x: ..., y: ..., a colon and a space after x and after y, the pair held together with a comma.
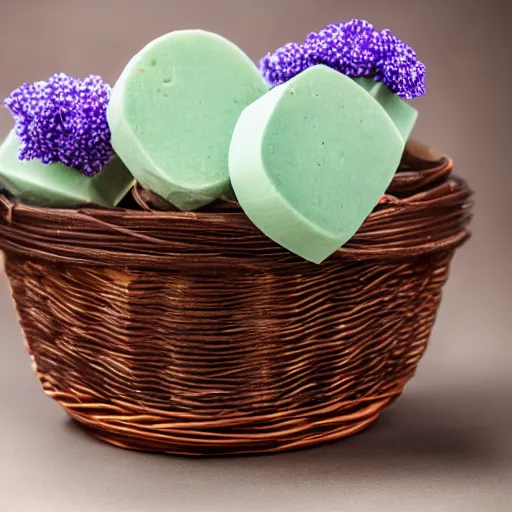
x: 173, y: 112
x: 310, y: 160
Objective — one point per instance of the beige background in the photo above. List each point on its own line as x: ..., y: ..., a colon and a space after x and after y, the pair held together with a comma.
x: 446, y: 445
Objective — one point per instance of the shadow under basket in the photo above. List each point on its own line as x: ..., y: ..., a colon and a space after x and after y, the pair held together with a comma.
x: 194, y: 334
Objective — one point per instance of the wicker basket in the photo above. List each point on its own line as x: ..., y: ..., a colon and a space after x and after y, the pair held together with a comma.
x: 192, y: 333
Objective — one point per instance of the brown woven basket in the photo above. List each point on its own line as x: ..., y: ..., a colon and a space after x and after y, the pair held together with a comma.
x: 192, y: 333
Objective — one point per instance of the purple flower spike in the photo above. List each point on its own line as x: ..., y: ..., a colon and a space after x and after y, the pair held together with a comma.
x: 355, y: 49
x: 351, y: 48
x: 63, y: 120
x: 399, y: 67
x: 288, y: 61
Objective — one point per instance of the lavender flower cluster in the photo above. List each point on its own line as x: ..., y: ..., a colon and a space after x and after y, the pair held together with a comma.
x: 63, y: 120
x: 355, y: 49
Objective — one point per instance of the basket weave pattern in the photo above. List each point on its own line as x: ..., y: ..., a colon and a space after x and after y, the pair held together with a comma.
x: 192, y: 333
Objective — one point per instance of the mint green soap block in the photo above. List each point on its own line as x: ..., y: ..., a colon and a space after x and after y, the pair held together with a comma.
x: 403, y: 115
x: 55, y: 185
x: 173, y: 112
x: 309, y: 161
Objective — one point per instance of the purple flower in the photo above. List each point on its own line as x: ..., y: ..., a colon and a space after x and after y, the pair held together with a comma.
x: 399, y: 67
x: 355, y: 49
x: 351, y: 48
x: 63, y: 120
x: 288, y: 61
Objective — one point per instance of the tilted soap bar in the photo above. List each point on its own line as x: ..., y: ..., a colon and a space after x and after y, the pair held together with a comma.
x: 310, y: 160
x: 173, y: 111
x: 403, y: 115
x: 55, y: 185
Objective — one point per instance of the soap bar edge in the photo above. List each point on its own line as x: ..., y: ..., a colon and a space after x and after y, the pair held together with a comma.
x: 141, y: 165
x: 244, y: 177
x: 59, y: 197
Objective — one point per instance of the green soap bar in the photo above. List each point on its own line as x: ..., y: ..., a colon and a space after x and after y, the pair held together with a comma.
x: 173, y: 112
x: 310, y: 160
x: 403, y: 115
x: 55, y: 185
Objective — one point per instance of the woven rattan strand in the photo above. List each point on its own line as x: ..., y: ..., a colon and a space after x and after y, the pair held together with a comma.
x: 193, y: 334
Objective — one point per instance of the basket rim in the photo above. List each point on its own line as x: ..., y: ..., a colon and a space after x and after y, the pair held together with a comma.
x: 424, y: 211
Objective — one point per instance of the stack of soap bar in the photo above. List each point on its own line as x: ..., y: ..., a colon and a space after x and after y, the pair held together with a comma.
x: 173, y: 112
x: 403, y: 115
x: 310, y: 160
x: 55, y: 185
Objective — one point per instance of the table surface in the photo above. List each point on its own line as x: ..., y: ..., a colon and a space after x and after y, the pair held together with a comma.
x: 443, y: 446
